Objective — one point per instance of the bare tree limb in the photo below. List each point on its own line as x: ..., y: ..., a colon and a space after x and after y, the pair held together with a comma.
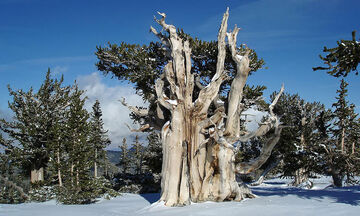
x: 168, y: 28
x: 170, y: 76
x: 189, y: 81
x: 246, y: 168
x: 237, y: 86
x: 218, y: 115
x: 141, y: 129
x: 271, y: 122
x: 217, y: 102
x: 141, y: 112
x: 207, y: 94
x: 164, y: 40
x: 261, y: 178
x: 161, y: 97
x: 272, y: 105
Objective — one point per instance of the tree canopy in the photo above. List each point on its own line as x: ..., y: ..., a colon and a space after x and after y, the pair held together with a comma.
x: 343, y: 59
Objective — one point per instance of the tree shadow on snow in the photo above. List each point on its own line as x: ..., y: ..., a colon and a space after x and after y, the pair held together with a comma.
x: 274, y: 183
x: 151, y: 197
x: 346, y: 195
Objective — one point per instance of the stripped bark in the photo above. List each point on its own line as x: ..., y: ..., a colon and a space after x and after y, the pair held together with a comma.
x: 263, y: 174
x: 198, y: 149
x: 37, y: 175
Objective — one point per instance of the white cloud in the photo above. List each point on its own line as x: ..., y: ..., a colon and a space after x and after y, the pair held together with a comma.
x: 115, y: 115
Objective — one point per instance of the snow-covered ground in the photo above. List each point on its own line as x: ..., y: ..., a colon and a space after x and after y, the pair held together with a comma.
x: 275, y: 197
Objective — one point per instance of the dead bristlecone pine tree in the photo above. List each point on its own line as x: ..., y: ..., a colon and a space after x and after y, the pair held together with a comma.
x: 198, y: 148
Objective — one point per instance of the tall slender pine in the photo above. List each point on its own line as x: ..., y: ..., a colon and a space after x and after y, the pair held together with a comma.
x: 98, y: 138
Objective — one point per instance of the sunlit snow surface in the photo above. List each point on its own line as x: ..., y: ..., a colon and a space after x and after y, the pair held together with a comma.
x: 275, y: 197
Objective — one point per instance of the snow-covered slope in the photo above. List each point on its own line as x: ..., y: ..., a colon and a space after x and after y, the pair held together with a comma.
x: 275, y: 197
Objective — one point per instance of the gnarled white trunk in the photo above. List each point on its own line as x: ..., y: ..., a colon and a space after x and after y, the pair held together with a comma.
x: 198, y: 149
x: 37, y: 175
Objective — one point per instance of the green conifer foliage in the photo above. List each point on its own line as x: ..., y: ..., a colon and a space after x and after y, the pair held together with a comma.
x: 98, y: 138
x: 124, y: 157
x: 343, y: 59
x: 34, y: 123
x: 337, y: 132
x: 138, y: 154
x: 342, y: 114
x: 296, y: 145
x: 153, y: 153
x: 78, y: 166
x: 11, y: 186
x: 56, y: 141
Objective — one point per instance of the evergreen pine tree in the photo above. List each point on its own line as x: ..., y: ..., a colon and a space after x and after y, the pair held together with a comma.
x: 33, y: 124
x: 296, y: 145
x: 343, y: 59
x: 337, y: 135
x: 138, y: 154
x: 124, y: 157
x: 153, y: 153
x: 12, y: 187
x: 341, y: 113
x: 54, y: 113
x: 98, y: 138
x: 55, y: 143
x: 354, y: 130
x: 83, y: 138
x: 78, y: 184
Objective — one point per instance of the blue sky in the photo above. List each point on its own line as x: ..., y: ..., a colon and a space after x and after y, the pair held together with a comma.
x: 63, y: 35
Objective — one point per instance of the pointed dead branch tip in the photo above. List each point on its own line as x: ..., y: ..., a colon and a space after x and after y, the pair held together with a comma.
x: 122, y: 101
x: 141, y: 129
x: 272, y: 105
x: 153, y: 30
x: 224, y: 22
x: 137, y: 111
x: 162, y: 20
x: 236, y: 30
x: 163, y: 15
x: 233, y: 33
